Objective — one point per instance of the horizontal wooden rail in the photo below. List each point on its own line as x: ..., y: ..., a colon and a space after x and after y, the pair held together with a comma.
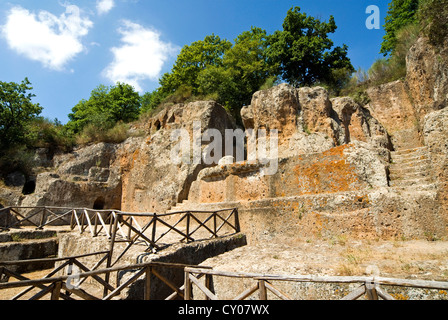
x: 369, y: 286
x: 55, y: 285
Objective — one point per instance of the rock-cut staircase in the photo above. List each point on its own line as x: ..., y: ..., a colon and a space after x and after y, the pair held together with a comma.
x: 411, y: 168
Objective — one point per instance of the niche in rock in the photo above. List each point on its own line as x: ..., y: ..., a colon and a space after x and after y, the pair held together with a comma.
x: 29, y: 187
x: 158, y: 125
x: 99, y: 204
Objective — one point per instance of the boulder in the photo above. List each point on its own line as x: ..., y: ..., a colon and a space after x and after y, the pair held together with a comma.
x: 308, y: 121
x: 392, y: 106
x: 358, y: 123
x: 152, y: 182
x: 80, y: 161
x: 427, y: 76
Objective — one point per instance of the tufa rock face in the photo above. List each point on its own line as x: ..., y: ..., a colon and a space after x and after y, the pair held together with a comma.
x: 401, y: 106
x: 151, y: 182
x: 359, y: 125
x: 308, y: 121
x: 391, y: 105
x: 427, y: 77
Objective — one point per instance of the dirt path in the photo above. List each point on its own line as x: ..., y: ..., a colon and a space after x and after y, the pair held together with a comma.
x: 401, y: 259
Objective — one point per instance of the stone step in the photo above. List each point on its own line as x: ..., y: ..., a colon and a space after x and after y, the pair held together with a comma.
x: 431, y: 187
x: 406, y: 164
x: 411, y: 182
x: 26, y: 235
x: 410, y: 174
x: 423, y: 170
x: 179, y: 206
x: 412, y: 166
x: 409, y: 151
x: 410, y: 158
x: 27, y: 250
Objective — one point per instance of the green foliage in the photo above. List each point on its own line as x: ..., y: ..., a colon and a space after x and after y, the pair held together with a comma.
x: 44, y: 133
x: 91, y: 133
x: 124, y: 103
x: 356, y: 87
x: 150, y: 100
x: 386, y: 69
x: 214, y: 68
x: 303, y: 52
x: 105, y: 107
x: 400, y: 14
x: 191, y: 61
x: 17, y: 158
x: 433, y: 16
x: 244, y: 69
x: 16, y: 111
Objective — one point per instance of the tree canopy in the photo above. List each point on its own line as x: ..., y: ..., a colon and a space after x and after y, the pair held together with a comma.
x: 105, y: 107
x: 16, y: 111
x: 191, y: 61
x: 303, y: 51
x: 301, y: 54
x: 400, y: 14
x: 243, y: 70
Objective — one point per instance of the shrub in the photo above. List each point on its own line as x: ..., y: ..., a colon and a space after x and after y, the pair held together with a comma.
x: 433, y: 16
x: 94, y: 134
x: 44, y: 133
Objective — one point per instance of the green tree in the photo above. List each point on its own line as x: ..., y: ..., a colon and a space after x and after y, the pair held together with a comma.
x: 124, y: 103
x: 191, y: 61
x: 304, y: 53
x: 400, y: 14
x: 16, y: 111
x: 244, y: 69
x: 105, y: 107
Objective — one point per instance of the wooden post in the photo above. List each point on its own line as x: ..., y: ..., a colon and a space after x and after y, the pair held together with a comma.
x: 263, y: 294
x: 130, y: 225
x: 153, y: 236
x: 237, y: 220
x: 109, y: 255
x: 148, y: 283
x: 208, y: 284
x: 187, y: 286
x: 56, y: 292
x: 371, y: 291
x: 42, y: 218
x: 95, y: 226
x: 72, y: 220
x: 82, y: 221
x: 214, y: 224
x: 188, y: 227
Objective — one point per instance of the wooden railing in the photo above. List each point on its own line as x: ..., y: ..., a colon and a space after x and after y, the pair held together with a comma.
x: 66, y: 288
x: 102, y: 221
x: 263, y: 283
x: 6, y: 273
x: 63, y: 287
x: 122, y: 227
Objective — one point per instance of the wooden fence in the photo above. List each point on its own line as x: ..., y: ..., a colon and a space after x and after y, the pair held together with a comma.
x: 61, y: 287
x: 118, y: 227
x: 368, y: 286
x: 102, y: 221
x: 124, y: 227
x: 71, y: 286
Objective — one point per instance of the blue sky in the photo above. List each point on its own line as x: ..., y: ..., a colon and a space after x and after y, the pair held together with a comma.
x: 67, y: 48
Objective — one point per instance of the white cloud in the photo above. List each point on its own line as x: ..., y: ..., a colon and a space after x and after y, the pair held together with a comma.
x: 44, y: 37
x: 104, y: 6
x: 141, y: 57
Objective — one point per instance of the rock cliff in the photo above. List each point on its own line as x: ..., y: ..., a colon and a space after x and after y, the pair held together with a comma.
x: 379, y: 170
